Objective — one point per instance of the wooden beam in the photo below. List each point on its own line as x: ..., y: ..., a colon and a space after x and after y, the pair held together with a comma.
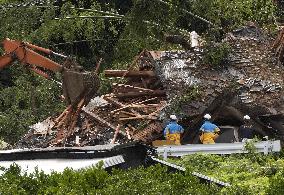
x: 139, y: 117
x: 119, y: 104
x: 158, y: 110
x: 156, y: 93
x: 115, y: 134
x: 131, y: 87
x: 65, y: 112
x: 113, y: 101
x: 74, y: 118
x: 127, y: 113
x: 129, y: 73
x: 130, y: 105
x: 99, y: 119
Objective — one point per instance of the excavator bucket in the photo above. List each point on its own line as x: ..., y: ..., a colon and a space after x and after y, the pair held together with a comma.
x: 77, y: 85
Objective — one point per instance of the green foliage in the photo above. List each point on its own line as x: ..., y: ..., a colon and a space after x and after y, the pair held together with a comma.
x: 229, y: 14
x: 25, y: 98
x: 216, y: 54
x: 250, y: 147
x: 116, y: 41
x: 276, y: 184
x: 152, y: 180
x: 30, y: 99
x: 246, y: 175
x: 183, y: 98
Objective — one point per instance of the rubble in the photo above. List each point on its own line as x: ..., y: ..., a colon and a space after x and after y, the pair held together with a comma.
x: 130, y: 113
x: 251, y: 83
x: 159, y: 83
x: 43, y: 127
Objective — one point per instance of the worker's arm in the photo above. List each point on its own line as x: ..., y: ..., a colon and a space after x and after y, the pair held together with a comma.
x: 217, y: 130
x: 202, y: 128
x: 166, y: 131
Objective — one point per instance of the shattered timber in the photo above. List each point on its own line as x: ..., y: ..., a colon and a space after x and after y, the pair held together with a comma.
x: 158, y: 83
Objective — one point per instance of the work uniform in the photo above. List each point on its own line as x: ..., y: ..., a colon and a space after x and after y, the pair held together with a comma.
x: 209, y: 133
x: 245, y: 132
x: 172, y: 132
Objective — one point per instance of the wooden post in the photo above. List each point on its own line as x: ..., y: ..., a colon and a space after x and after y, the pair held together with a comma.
x: 115, y: 134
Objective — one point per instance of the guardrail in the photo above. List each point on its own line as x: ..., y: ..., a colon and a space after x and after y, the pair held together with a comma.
x: 218, y: 148
x: 199, y: 175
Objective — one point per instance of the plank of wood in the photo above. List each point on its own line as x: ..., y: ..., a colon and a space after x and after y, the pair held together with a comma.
x: 158, y: 110
x: 128, y: 113
x: 129, y: 73
x: 156, y: 93
x: 115, y: 134
x: 132, y: 87
x: 119, y: 104
x: 130, y: 105
x: 144, y: 106
x: 74, y: 118
x: 139, y: 117
x: 63, y: 114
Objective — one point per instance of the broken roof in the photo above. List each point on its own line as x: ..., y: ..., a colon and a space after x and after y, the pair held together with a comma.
x: 252, y: 71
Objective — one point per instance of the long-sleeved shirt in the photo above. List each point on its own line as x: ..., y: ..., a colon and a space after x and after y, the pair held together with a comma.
x: 209, y: 127
x: 172, y: 128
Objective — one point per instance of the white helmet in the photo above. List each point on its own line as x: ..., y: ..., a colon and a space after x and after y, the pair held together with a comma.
x: 246, y: 117
x: 207, y: 116
x: 173, y: 117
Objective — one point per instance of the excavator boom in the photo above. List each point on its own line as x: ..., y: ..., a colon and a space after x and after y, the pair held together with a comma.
x: 5, y: 60
x: 76, y: 83
x: 22, y: 51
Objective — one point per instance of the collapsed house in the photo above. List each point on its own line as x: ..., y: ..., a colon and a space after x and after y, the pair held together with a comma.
x: 160, y: 83
x: 251, y: 82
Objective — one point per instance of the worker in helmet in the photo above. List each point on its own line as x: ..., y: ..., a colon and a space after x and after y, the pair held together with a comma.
x: 173, y: 130
x: 246, y: 130
x: 209, y: 131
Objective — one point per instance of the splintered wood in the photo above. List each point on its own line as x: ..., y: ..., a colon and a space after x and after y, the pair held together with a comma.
x: 278, y: 46
x: 138, y: 120
x: 135, y: 105
x: 130, y: 112
x: 66, y: 122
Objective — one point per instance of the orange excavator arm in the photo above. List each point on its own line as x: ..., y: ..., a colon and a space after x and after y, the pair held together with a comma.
x: 25, y: 53
x: 76, y: 83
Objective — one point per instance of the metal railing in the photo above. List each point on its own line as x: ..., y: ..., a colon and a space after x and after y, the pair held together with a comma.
x: 218, y: 148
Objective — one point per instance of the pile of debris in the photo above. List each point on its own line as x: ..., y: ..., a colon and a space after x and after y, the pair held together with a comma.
x: 160, y: 83
x: 250, y: 83
x: 130, y: 112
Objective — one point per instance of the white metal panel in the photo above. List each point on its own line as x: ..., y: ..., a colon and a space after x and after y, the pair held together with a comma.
x: 58, y: 165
